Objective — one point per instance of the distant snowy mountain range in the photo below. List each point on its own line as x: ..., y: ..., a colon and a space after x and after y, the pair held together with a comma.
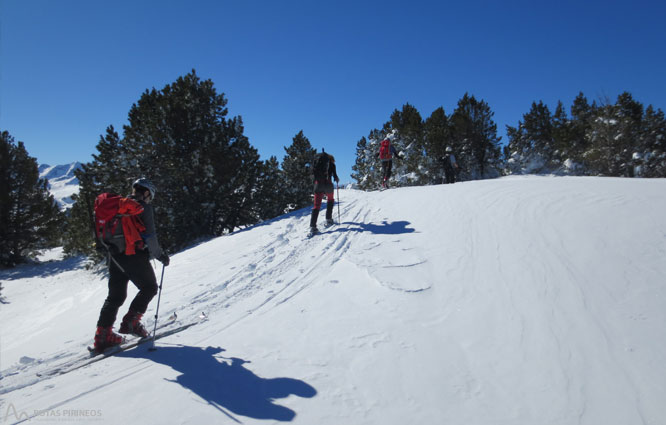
x: 62, y: 182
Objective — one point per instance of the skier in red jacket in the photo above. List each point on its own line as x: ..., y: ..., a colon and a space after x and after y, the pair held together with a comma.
x: 386, y: 153
x: 136, y: 267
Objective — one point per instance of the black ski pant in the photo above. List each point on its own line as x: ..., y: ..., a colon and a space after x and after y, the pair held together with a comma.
x: 122, y: 269
x: 386, y: 169
x: 449, y: 175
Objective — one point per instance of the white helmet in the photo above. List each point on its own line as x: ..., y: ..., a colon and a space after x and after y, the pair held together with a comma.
x: 145, y: 184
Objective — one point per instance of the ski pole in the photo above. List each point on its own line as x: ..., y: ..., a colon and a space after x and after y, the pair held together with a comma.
x: 158, y: 309
x: 337, y: 186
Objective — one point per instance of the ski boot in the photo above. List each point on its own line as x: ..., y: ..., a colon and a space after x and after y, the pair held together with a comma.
x: 131, y: 324
x: 329, y: 222
x: 313, y: 231
x: 384, y: 185
x: 106, y: 338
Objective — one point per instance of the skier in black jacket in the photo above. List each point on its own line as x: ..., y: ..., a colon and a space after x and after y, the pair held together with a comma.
x: 137, y: 268
x: 451, y: 167
x: 324, y: 174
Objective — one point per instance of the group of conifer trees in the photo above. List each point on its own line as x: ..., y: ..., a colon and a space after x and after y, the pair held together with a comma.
x: 210, y: 180
x: 624, y: 139
x: 469, y: 132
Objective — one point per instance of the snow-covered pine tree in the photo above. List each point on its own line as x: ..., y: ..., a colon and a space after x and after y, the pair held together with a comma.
x: 407, y: 136
x: 653, y: 144
x: 531, y: 144
x: 630, y: 120
x: 601, y: 154
x: 579, y: 128
x: 475, y: 139
x: 613, y: 137
x: 562, y: 159
x: 364, y: 169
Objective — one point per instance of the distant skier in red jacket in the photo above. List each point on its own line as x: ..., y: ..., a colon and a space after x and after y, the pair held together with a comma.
x: 386, y: 153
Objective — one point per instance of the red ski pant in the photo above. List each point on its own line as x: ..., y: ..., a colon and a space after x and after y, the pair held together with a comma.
x: 319, y: 196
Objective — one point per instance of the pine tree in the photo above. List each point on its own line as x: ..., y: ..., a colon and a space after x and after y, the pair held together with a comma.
x: 271, y: 200
x: 239, y: 203
x: 179, y: 138
x: 406, y: 127
x: 561, y: 139
x: 437, y: 139
x: 364, y: 167
x: 475, y: 133
x: 614, y: 136
x: 653, y: 144
x: 110, y: 171
x: 297, y: 167
x: 601, y: 153
x: 200, y: 161
x: 80, y: 224
x: 531, y: 144
x: 630, y: 120
x: 29, y: 216
x: 580, y: 128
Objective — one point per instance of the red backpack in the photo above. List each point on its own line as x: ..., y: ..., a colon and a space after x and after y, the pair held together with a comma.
x: 117, y: 222
x: 385, y: 149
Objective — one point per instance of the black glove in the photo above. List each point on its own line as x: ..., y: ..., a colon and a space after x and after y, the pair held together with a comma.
x: 101, y: 249
x: 164, y: 258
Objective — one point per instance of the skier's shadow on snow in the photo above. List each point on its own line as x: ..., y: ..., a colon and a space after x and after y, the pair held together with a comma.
x: 385, y: 228
x: 227, y: 384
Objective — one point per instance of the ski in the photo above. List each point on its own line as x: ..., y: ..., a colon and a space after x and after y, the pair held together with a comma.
x: 134, y: 343
x: 94, y: 357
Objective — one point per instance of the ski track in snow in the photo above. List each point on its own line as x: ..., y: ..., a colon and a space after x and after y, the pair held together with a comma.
x: 277, y: 274
x: 273, y: 279
x: 536, y: 308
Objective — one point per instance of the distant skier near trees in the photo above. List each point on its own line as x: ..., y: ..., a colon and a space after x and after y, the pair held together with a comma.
x: 324, y: 172
x: 385, y: 154
x: 451, y: 167
x: 136, y: 267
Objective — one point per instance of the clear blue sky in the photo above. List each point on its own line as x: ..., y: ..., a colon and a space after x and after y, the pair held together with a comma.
x: 336, y: 70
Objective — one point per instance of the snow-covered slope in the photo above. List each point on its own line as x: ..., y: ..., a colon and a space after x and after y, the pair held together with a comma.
x: 62, y: 182
x: 523, y: 300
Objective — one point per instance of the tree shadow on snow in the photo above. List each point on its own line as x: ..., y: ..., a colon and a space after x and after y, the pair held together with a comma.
x: 227, y: 384
x: 37, y: 269
x: 385, y: 228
